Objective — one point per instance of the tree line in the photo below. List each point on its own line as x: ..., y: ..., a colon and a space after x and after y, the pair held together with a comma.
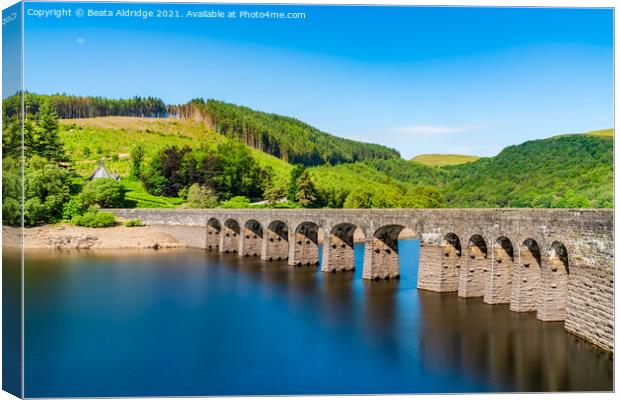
x: 71, y: 107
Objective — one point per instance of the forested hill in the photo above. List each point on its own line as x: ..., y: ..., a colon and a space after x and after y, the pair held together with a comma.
x: 286, y: 138
x: 570, y: 171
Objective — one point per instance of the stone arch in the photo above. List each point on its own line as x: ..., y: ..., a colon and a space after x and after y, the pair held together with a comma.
x: 474, y: 268
x: 554, y: 284
x: 381, y: 253
x: 304, y: 247
x: 499, y: 279
x: 275, y: 241
x: 339, y: 248
x: 229, y: 239
x: 251, y: 239
x: 526, y: 278
x: 214, y: 230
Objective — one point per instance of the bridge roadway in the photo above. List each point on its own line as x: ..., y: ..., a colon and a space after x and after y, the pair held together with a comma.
x: 555, y: 262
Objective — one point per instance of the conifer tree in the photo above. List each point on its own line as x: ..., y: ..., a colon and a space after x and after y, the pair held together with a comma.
x: 46, y: 141
x: 307, y: 195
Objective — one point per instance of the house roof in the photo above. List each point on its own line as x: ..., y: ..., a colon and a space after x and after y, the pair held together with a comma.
x: 101, y: 172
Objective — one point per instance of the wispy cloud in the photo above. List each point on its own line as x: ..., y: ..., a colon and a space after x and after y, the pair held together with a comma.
x: 427, y: 131
x: 412, y: 140
x: 80, y: 40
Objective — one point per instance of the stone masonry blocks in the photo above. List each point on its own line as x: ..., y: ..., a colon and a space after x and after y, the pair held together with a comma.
x: 337, y: 255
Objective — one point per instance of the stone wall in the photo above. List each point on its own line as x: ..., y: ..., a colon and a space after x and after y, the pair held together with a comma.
x: 584, y: 295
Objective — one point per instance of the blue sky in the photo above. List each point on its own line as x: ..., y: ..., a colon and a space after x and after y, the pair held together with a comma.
x: 419, y: 79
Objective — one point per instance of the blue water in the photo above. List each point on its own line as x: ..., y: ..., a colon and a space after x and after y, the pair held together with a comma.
x: 186, y: 322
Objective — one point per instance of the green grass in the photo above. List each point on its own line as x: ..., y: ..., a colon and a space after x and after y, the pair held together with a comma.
x: 602, y: 133
x: 605, y: 133
x: 280, y: 169
x: 89, y: 140
x: 112, y: 138
x: 137, y: 196
x: 439, y: 160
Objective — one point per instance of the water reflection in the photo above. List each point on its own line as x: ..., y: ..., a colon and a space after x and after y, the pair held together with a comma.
x: 220, y: 324
x: 512, y: 350
x: 380, y: 305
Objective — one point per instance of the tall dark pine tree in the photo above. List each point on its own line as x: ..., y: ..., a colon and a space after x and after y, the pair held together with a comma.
x: 47, y: 143
x: 293, y: 187
x: 307, y: 195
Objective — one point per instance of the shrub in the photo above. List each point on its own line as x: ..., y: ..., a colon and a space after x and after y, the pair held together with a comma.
x: 104, y: 192
x: 72, y: 208
x: 423, y: 197
x: 236, y: 202
x: 200, y: 196
x: 133, y: 222
x: 11, y: 191
x: 46, y: 189
x: 93, y: 218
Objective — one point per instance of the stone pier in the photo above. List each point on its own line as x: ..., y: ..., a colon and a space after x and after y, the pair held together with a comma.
x: 474, y: 269
x: 499, y: 278
x: 526, y: 278
x: 275, y: 242
x: 381, y: 259
x: 214, y: 230
x: 251, y: 239
x: 229, y: 238
x: 304, y: 245
x: 339, y: 248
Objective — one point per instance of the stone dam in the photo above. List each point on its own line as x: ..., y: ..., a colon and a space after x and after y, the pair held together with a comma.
x: 558, y: 263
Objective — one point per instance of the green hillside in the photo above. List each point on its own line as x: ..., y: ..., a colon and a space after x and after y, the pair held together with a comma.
x: 563, y: 171
x: 286, y: 138
x: 560, y: 172
x: 112, y: 139
x: 439, y: 160
x: 88, y: 140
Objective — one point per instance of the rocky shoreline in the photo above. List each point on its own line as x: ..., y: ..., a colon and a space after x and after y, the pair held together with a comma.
x: 64, y: 236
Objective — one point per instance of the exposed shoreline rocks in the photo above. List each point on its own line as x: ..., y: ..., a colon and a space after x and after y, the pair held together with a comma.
x: 67, y: 237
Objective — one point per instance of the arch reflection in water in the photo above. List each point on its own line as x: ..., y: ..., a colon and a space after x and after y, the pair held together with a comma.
x: 506, y: 349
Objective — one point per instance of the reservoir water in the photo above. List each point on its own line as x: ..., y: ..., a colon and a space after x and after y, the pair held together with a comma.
x: 188, y: 322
